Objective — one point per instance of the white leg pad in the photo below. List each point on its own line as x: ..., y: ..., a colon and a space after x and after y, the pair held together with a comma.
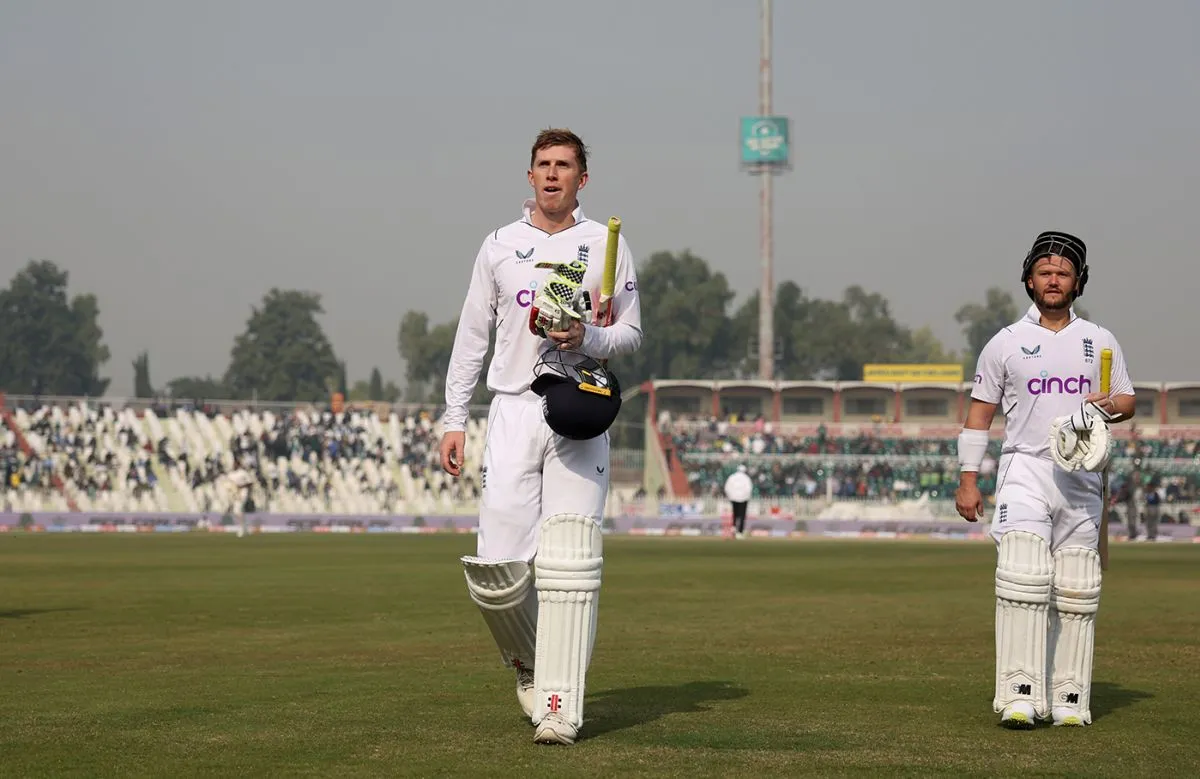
x: 1024, y: 570
x: 569, y: 565
x: 503, y: 591
x: 1075, y: 601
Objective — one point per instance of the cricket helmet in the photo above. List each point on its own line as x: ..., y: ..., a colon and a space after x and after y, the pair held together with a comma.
x: 580, y: 397
x: 1064, y: 245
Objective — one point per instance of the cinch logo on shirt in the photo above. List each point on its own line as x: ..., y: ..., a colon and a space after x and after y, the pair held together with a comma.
x: 1055, y: 385
x: 525, y: 297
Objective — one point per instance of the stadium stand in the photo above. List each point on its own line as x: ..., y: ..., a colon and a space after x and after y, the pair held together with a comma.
x: 88, y: 456
x: 866, y: 466
x: 303, y: 461
x: 27, y: 485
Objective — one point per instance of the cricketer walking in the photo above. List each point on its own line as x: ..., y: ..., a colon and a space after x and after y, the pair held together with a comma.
x: 537, y: 570
x: 1044, y: 372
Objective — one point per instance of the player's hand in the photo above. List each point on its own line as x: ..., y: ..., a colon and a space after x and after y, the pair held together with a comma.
x: 1097, y: 404
x: 571, y: 338
x: 1102, y: 401
x: 968, y: 502
x: 454, y: 443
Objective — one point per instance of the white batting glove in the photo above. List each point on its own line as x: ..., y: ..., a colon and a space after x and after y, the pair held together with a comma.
x: 1064, y: 444
x: 1088, y: 447
x: 1081, y: 420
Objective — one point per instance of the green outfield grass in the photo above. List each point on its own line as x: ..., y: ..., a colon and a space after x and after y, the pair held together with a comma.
x: 306, y: 655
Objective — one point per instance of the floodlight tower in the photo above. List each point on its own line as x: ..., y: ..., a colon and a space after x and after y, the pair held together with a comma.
x: 765, y: 154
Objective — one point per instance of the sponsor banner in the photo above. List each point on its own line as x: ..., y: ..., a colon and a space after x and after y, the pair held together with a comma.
x: 699, y: 509
x: 681, y: 524
x: 913, y: 373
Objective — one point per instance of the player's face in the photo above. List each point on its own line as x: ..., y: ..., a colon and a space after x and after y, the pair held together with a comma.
x: 1053, y: 281
x: 556, y: 179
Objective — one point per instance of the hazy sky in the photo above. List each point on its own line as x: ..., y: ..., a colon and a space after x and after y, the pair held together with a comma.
x: 179, y: 159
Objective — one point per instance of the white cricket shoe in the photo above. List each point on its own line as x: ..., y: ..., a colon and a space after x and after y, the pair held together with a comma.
x: 1068, y: 718
x: 1018, y: 716
x: 525, y: 690
x: 553, y: 729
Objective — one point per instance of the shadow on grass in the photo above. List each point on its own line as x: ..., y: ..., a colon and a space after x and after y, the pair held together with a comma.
x: 1108, y: 697
x: 613, y: 710
x: 22, y: 613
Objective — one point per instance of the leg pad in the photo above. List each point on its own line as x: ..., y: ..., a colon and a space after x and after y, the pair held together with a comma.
x: 1024, y: 572
x: 1074, y: 603
x: 503, y: 591
x: 569, y: 565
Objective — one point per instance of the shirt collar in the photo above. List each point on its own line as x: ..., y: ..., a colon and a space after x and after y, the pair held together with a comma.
x: 530, y: 203
x: 1035, y: 316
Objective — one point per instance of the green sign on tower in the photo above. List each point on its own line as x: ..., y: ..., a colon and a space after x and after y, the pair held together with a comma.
x: 765, y: 141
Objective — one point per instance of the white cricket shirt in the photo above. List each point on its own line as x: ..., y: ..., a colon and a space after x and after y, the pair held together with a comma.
x: 738, y: 487
x: 503, y: 286
x: 1036, y: 374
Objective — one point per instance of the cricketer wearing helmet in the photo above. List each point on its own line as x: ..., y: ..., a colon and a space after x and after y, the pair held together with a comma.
x: 1043, y: 373
x: 544, y: 467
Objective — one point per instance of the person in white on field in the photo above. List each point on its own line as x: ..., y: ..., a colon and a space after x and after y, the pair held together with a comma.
x: 739, y: 488
x: 1043, y: 371
x: 538, y: 556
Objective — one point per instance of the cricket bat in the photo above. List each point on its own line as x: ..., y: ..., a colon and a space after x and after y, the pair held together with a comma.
x: 1106, y: 357
x: 604, y: 312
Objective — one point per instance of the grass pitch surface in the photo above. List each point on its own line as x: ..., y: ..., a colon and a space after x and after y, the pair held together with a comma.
x: 306, y: 655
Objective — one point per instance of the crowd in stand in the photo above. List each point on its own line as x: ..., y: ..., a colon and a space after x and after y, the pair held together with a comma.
x: 84, y: 448
x: 22, y: 473
x: 305, y: 455
x: 296, y: 454
x: 786, y: 464
x: 723, y: 438
x: 314, y: 446
x: 870, y: 478
x: 421, y: 456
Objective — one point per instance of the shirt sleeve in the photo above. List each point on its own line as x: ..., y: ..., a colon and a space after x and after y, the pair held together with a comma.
x: 624, y: 335
x: 989, y: 371
x: 1121, y: 384
x: 470, y: 342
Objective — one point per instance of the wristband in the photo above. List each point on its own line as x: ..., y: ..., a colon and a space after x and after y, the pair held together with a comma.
x: 972, y: 446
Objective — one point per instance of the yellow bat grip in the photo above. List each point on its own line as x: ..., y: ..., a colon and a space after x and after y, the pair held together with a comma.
x: 609, y: 283
x: 1105, y: 369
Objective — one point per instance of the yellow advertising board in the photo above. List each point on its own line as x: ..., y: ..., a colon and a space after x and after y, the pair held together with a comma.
x: 908, y: 374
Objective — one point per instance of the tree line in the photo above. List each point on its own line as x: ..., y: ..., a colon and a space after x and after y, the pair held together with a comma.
x: 52, y: 343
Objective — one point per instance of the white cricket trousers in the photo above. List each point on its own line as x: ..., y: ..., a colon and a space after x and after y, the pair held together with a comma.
x: 531, y: 473
x: 1037, y: 496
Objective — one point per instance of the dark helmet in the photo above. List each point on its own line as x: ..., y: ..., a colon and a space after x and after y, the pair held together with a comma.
x: 580, y: 397
x: 1064, y: 245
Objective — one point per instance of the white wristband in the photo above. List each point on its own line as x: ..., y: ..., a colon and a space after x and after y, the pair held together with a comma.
x: 972, y: 446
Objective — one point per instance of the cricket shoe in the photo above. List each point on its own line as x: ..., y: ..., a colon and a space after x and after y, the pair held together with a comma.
x: 1018, y: 716
x: 525, y: 689
x: 553, y: 729
x: 1067, y: 718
